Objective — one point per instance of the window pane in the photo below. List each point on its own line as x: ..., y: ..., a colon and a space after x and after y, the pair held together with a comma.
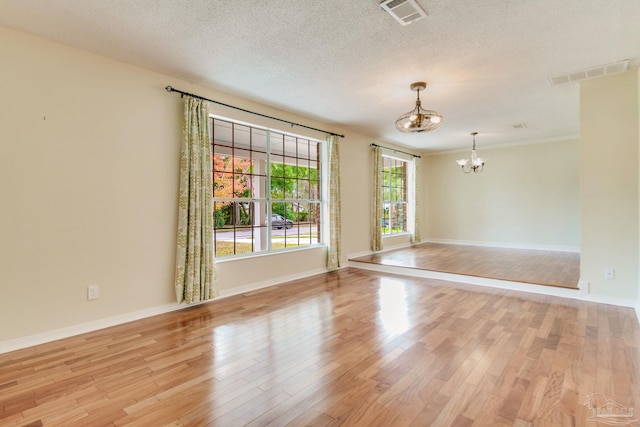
x: 277, y: 143
x: 259, y: 141
x: 314, y: 189
x: 385, y: 218
x: 290, y: 147
x: 247, y: 207
x: 222, y: 184
x: 241, y: 135
x: 221, y: 133
x: 258, y: 186
x: 302, y: 212
x: 289, y: 187
x: 398, y: 221
x: 386, y: 194
x: 396, y: 194
x: 241, y: 159
x: 306, y: 165
x: 386, y: 178
x: 394, y: 190
x: 303, y: 189
x: 239, y: 228
x: 222, y: 163
x: 221, y: 214
x: 241, y: 185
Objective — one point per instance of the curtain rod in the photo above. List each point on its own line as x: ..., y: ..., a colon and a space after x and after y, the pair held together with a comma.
x: 395, y: 151
x: 182, y: 93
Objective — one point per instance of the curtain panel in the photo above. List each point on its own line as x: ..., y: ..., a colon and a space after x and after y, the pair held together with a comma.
x: 417, y: 200
x: 376, y: 226
x: 195, y: 268
x: 335, y: 220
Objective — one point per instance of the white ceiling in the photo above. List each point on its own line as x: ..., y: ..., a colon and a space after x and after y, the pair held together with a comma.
x: 487, y: 62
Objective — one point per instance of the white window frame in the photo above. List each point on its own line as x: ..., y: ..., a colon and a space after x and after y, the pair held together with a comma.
x: 410, y: 204
x: 268, y: 200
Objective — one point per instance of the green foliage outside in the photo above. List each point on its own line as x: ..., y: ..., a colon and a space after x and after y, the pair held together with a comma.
x: 284, y: 210
x: 293, y: 182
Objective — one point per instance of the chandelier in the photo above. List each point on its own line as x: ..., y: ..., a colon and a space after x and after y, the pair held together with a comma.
x: 477, y: 163
x: 418, y: 119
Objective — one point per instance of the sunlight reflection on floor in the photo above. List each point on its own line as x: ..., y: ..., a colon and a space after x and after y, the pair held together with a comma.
x: 393, y: 305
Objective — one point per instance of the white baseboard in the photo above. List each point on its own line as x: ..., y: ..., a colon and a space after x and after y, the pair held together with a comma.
x: 83, y: 328
x: 533, y: 246
x: 359, y: 254
x: 267, y: 283
x: 49, y: 336
x: 370, y: 252
x: 473, y: 280
x: 638, y: 313
x: 604, y: 299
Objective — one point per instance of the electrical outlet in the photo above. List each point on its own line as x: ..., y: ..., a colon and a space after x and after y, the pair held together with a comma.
x: 93, y: 292
x: 609, y: 273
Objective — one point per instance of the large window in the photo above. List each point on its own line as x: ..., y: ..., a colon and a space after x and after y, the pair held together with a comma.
x: 266, y: 189
x: 395, y: 202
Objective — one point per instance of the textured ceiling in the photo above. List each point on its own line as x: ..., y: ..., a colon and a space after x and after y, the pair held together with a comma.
x: 487, y: 63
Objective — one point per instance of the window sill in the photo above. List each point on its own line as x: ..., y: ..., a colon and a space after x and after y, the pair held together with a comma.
x: 404, y: 233
x: 229, y: 258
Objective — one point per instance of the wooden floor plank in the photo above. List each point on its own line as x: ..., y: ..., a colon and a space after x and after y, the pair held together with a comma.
x: 351, y: 347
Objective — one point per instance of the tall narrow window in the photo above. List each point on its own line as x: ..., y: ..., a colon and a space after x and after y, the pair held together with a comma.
x: 394, y: 195
x: 266, y: 189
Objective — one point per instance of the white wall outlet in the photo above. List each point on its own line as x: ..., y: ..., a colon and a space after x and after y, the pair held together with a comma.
x: 609, y: 273
x: 93, y: 292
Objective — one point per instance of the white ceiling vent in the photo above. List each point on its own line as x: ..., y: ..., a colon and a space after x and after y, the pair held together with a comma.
x: 403, y: 11
x: 602, y: 70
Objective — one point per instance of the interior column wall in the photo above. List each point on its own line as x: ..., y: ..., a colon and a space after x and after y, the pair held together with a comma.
x: 609, y: 185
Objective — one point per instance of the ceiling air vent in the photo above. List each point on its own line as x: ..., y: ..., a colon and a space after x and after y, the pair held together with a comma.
x: 602, y: 70
x: 403, y: 11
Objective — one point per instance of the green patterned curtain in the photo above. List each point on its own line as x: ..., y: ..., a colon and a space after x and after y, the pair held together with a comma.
x: 195, y: 269
x: 376, y: 227
x: 333, y: 258
x: 417, y: 200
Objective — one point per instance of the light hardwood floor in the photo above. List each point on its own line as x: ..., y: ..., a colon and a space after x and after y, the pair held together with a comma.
x: 352, y: 347
x: 550, y: 268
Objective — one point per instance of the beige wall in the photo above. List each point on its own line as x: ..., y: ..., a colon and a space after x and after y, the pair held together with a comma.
x: 88, y: 175
x: 527, y: 196
x: 609, y: 184
x: 88, y: 180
